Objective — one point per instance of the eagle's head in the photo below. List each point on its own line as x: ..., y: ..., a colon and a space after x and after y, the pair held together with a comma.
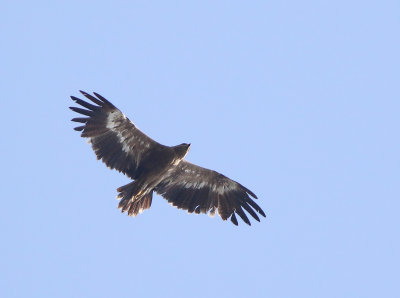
x: 181, y: 150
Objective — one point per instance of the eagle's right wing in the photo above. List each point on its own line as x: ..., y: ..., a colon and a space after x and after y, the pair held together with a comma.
x: 114, y: 138
x: 201, y: 190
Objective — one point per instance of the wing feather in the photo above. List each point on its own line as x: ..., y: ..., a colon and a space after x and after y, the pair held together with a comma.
x: 114, y: 138
x: 82, y: 111
x: 80, y: 120
x: 234, y: 220
x: 201, y: 190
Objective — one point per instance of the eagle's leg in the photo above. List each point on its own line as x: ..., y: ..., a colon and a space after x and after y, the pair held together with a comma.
x: 133, y: 198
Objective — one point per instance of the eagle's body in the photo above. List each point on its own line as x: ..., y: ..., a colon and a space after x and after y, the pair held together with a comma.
x: 156, y: 167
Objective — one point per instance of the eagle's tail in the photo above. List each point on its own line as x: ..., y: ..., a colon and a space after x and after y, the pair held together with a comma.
x: 132, y: 200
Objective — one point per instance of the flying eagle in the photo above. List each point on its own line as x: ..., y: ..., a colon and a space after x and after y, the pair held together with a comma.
x: 155, y: 167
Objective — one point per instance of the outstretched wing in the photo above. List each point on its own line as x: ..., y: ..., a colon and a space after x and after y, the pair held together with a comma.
x: 200, y: 190
x: 114, y: 138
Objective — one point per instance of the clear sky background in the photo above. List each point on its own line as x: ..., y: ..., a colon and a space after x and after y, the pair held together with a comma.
x: 297, y: 100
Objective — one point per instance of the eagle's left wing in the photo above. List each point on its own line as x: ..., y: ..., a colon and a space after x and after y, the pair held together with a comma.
x: 201, y: 190
x: 114, y: 138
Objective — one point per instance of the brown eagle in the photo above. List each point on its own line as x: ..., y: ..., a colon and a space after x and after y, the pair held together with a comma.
x: 155, y: 167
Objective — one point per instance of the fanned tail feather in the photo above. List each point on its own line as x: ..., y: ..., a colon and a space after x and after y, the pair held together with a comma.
x: 134, y: 205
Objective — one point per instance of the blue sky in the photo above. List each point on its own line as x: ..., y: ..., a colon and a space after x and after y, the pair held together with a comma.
x: 298, y: 101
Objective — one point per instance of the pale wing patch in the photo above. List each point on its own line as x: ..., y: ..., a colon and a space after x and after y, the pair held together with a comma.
x: 114, y: 121
x: 225, y: 187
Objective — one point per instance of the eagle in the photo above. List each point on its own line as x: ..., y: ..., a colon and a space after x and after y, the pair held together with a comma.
x: 154, y: 167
